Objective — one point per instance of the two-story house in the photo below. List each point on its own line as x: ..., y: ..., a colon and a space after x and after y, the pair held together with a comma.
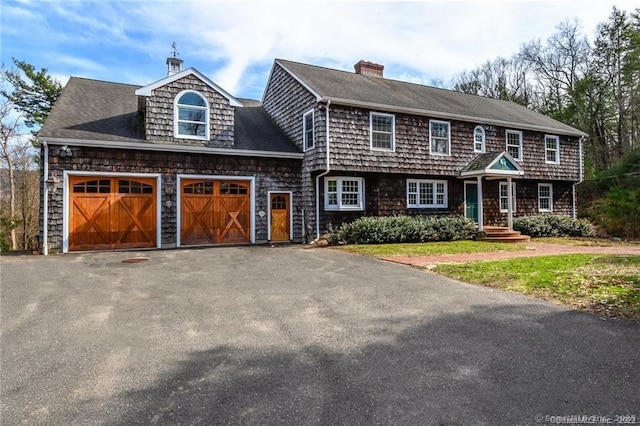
x: 375, y: 146
x: 181, y: 162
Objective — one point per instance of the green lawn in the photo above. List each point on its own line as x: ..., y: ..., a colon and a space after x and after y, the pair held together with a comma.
x: 606, y: 285
x: 431, y: 248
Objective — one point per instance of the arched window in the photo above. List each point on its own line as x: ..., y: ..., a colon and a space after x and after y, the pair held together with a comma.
x: 191, y: 116
x: 478, y: 139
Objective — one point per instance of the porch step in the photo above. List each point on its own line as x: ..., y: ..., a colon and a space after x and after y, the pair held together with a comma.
x: 503, y: 234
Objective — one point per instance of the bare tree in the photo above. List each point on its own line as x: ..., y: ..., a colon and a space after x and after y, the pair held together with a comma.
x: 9, y: 133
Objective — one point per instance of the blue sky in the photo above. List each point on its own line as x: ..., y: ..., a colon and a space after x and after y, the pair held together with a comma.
x: 235, y: 42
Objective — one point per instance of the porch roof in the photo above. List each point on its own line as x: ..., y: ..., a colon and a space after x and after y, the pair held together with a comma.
x: 492, y: 164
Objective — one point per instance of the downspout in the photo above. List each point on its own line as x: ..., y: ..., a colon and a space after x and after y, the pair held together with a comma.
x: 45, y: 201
x: 580, y: 178
x: 326, y: 172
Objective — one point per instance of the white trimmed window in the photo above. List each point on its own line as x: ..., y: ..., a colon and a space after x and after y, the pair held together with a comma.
x: 478, y: 139
x: 382, y: 131
x: 504, y: 200
x: 191, y: 116
x: 552, y: 149
x: 545, y: 197
x: 426, y: 193
x: 308, y: 135
x: 343, y: 193
x: 514, y: 144
x: 439, y: 137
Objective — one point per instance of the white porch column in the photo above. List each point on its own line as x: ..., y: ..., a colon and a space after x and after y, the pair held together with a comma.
x: 509, y: 204
x: 480, y: 217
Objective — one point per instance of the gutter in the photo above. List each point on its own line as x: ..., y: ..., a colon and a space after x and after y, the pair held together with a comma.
x: 326, y: 172
x: 173, y: 148
x: 580, y: 178
x: 45, y: 201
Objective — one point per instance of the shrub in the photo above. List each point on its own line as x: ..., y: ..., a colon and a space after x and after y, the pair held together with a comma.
x: 550, y: 225
x: 402, y: 229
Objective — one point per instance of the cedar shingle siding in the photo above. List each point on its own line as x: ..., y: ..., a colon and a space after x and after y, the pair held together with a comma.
x: 111, y: 130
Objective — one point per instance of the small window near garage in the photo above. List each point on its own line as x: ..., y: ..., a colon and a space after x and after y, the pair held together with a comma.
x: 545, y: 197
x: 133, y: 187
x: 382, y: 131
x: 514, y: 144
x: 191, y: 119
x: 552, y: 149
x: 344, y: 193
x: 479, y: 139
x: 307, y: 131
x: 504, y: 200
x: 203, y: 188
x: 233, y: 189
x: 439, y: 137
x: 423, y: 193
x: 102, y: 186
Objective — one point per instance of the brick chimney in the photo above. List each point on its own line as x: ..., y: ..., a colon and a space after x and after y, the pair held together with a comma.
x: 369, y: 68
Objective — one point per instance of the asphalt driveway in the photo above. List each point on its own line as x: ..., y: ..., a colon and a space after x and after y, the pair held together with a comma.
x: 258, y: 335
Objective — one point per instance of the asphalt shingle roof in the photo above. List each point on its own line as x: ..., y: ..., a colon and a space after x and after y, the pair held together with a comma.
x: 106, y: 111
x: 352, y: 88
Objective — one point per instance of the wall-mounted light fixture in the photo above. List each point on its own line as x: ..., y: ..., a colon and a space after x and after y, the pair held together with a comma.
x: 52, y: 183
x: 169, y: 185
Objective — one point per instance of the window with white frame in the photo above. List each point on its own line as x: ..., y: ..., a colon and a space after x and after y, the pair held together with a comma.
x: 504, y: 197
x: 514, y: 144
x: 191, y: 116
x: 439, y: 137
x: 344, y: 193
x: 382, y: 131
x: 545, y: 197
x: 423, y: 193
x: 308, y: 135
x: 552, y: 149
x: 478, y: 139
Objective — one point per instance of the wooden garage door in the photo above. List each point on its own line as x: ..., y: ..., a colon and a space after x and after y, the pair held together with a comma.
x: 215, y: 212
x: 112, y: 213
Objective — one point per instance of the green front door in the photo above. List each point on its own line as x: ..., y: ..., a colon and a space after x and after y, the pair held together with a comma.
x: 471, y: 201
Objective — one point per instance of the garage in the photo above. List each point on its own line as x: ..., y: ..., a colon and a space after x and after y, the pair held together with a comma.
x: 112, y: 212
x: 215, y: 211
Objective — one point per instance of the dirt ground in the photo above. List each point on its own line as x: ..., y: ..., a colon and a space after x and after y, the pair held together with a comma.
x: 532, y: 249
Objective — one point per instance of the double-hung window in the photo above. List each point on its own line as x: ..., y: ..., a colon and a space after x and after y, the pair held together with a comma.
x: 545, y: 197
x: 552, y: 149
x: 504, y: 197
x: 308, y: 135
x: 382, y: 131
x: 439, y: 137
x: 191, y: 116
x: 478, y: 139
x: 514, y: 144
x: 426, y: 193
x: 343, y: 193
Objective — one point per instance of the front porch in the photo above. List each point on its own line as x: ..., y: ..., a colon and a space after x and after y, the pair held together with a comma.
x: 491, y: 166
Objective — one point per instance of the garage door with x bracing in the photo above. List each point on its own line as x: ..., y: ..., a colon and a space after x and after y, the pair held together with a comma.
x: 112, y: 213
x: 215, y: 212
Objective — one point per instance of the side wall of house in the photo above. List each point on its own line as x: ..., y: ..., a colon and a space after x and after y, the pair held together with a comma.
x: 351, y: 147
x: 386, y: 195
x: 159, y: 113
x: 270, y: 174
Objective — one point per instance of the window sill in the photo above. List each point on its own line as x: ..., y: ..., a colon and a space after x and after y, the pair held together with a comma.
x: 343, y: 209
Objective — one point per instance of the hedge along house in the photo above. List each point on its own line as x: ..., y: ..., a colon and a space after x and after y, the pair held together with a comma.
x: 375, y: 146
x: 179, y: 162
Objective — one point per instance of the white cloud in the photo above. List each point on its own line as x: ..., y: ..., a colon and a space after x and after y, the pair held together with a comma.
x: 229, y: 41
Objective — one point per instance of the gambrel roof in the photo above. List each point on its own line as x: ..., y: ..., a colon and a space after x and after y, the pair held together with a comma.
x: 348, y: 88
x: 94, y: 112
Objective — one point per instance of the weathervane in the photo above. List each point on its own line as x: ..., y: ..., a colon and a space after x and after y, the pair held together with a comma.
x: 175, y: 50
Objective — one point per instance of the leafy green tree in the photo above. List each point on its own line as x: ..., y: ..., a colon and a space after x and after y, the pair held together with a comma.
x: 33, y: 93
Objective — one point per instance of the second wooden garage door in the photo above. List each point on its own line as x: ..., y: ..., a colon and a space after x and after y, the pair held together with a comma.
x: 215, y: 212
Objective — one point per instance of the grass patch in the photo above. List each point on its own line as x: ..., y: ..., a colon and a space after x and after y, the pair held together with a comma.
x: 579, y: 241
x: 605, y: 285
x: 431, y: 248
